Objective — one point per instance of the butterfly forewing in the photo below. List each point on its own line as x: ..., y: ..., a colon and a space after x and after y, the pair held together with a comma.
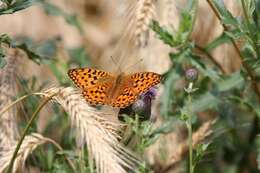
x: 86, y: 78
x: 94, y: 83
x: 144, y: 80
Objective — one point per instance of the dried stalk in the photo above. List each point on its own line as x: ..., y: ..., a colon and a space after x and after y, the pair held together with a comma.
x: 197, y: 138
x: 28, y: 125
x: 8, y: 90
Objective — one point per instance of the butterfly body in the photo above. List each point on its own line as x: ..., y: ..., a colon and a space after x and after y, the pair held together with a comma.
x: 99, y: 87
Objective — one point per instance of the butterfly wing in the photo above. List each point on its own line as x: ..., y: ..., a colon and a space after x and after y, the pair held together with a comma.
x: 144, y: 80
x: 133, y: 85
x: 96, y: 95
x: 94, y: 83
x: 86, y: 78
x: 126, y: 97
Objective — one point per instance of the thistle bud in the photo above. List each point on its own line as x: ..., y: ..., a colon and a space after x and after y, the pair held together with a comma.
x: 191, y: 74
x: 142, y: 106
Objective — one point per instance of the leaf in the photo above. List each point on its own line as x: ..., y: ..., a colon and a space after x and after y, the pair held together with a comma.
x: 204, y: 102
x: 187, y: 20
x: 252, y: 106
x: 184, y: 27
x: 56, y: 11
x: 34, y: 52
x: 2, y: 62
x: 163, y: 34
x: 168, y: 92
x: 4, y: 38
x: 223, y: 38
x: 204, y: 69
x: 226, y: 17
x: 230, y: 82
x: 48, y: 48
x: 79, y: 56
x: 17, y: 6
x: 31, y: 54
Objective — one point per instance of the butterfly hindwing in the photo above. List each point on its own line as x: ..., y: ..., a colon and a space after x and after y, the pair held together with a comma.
x: 86, y: 78
x: 133, y: 85
x: 144, y: 80
x: 127, y: 97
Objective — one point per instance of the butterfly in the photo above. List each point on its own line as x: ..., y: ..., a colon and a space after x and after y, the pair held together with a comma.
x: 102, y: 88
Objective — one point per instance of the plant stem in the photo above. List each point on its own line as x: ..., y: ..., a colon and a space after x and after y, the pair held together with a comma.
x: 204, y: 51
x: 6, y: 108
x: 72, y: 166
x: 26, y: 130
x: 12, y: 104
x: 251, y: 34
x: 189, y: 126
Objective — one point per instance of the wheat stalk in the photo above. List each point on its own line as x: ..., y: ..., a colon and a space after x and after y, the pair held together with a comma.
x: 96, y: 131
x: 30, y: 143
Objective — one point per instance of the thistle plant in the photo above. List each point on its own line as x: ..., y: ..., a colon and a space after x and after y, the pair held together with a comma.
x: 191, y: 76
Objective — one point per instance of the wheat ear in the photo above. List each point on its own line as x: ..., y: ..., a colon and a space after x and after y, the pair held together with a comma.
x: 30, y: 143
x: 96, y: 131
x: 145, y: 12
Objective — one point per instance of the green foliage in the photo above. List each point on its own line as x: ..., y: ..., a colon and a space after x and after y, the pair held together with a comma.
x: 11, y: 6
x: 56, y: 11
x: 214, y: 88
x: 34, y: 52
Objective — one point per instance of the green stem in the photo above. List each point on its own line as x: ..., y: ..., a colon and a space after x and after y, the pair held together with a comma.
x: 12, y: 104
x: 189, y: 125
x: 29, y: 124
x: 72, y: 166
x: 204, y: 51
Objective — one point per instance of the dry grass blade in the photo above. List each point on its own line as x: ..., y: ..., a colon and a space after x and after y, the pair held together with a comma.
x: 144, y: 14
x: 96, y: 131
x: 8, y: 90
x: 29, y: 144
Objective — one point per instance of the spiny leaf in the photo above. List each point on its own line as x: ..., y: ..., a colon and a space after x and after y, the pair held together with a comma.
x: 17, y: 6
x: 163, y: 34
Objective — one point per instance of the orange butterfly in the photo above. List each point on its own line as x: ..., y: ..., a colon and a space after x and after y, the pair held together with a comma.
x: 101, y: 88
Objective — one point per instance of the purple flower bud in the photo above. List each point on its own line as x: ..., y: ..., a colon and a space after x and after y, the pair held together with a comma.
x: 142, y: 106
x: 191, y: 74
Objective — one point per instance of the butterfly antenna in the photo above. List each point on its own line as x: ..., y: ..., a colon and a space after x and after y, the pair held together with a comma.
x: 118, y: 66
x: 132, y: 65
